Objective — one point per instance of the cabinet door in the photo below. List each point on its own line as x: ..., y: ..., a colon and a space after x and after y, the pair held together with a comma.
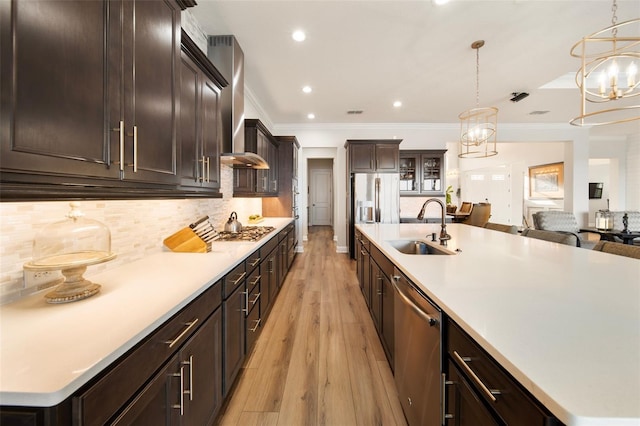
x: 376, y: 293
x: 52, y: 112
x: 201, y: 363
x: 366, y: 277
x: 432, y: 174
x: 234, y: 336
x: 262, y: 176
x: 362, y: 158
x: 387, y: 158
x: 150, y: 95
x: 463, y: 407
x: 409, y: 176
x: 199, y: 127
x: 158, y: 403
x: 387, y: 326
x: 211, y: 133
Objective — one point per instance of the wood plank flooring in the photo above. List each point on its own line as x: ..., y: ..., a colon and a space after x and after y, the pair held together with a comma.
x: 318, y: 360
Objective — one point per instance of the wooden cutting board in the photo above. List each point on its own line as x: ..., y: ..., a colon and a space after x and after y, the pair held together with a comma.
x: 185, y: 241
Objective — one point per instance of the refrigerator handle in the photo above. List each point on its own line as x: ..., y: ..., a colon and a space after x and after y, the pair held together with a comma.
x: 377, y: 200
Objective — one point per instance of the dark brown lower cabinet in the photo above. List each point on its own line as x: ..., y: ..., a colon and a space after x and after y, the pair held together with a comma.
x: 464, y: 406
x: 234, y: 308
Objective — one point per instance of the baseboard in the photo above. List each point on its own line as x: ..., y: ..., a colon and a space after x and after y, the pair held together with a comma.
x: 342, y: 249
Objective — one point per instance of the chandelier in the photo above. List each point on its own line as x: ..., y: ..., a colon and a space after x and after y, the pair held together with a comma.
x: 608, y: 77
x: 478, y: 126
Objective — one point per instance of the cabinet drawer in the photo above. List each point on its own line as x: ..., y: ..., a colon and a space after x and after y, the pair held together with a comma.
x: 253, y: 261
x: 254, y: 326
x: 385, y: 264
x: 234, y: 279
x: 269, y: 246
x: 104, y: 398
x: 513, y: 404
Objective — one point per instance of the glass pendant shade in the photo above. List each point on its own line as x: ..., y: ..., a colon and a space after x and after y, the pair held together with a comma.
x: 478, y: 126
x: 608, y: 77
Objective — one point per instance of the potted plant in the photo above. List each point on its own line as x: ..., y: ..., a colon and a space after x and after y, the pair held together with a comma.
x: 451, y: 208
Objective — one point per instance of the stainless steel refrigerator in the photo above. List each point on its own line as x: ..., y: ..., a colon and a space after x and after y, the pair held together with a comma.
x: 374, y: 198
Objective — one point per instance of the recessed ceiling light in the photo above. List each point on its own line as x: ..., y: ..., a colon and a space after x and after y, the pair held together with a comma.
x: 298, y: 35
x: 307, y: 89
x: 397, y: 104
x: 311, y: 116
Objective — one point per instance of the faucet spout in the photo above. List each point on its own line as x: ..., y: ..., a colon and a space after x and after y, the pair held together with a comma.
x: 444, y: 237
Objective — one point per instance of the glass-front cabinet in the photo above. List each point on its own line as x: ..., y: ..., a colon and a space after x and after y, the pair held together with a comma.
x: 422, y: 172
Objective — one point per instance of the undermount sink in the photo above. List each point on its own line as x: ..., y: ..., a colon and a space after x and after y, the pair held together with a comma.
x: 417, y: 247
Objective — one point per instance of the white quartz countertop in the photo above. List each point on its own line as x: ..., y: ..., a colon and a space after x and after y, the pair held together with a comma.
x: 564, y: 321
x: 47, y: 351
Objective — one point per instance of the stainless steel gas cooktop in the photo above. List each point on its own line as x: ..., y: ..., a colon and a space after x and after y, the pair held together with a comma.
x: 248, y: 233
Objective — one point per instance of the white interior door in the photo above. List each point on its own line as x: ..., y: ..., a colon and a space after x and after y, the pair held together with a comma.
x: 321, y: 197
x: 493, y: 184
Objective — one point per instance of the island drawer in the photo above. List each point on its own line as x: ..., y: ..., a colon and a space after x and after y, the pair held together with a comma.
x: 508, y: 400
x: 103, y: 398
x: 253, y: 261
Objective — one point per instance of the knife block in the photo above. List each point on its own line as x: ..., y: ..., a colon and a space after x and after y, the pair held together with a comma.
x: 185, y: 241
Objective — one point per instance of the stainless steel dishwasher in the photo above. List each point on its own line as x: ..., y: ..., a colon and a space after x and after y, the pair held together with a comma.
x: 418, y: 342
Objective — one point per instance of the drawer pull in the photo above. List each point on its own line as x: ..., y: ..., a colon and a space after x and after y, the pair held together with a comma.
x: 254, y: 301
x: 253, y: 330
x: 462, y: 361
x: 240, y: 278
x: 254, y: 282
x: 189, y: 325
x: 255, y: 262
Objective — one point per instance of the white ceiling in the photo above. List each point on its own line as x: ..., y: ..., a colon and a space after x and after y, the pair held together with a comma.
x: 364, y: 55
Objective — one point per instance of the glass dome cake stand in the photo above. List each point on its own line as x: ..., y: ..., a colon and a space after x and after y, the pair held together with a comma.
x: 72, y: 266
x: 70, y: 246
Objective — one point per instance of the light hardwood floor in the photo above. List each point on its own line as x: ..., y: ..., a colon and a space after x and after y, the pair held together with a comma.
x: 318, y: 360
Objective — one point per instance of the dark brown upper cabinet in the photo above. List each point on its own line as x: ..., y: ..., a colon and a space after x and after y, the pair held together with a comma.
x: 373, y: 156
x: 200, y: 119
x: 90, y: 94
x: 249, y: 182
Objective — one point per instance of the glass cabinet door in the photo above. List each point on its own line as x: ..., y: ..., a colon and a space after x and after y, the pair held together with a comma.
x: 432, y: 174
x: 408, y: 174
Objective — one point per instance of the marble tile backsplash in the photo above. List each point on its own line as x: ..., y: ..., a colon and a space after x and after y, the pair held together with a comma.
x: 137, y: 227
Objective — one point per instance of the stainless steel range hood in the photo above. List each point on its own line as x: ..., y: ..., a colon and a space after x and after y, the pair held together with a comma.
x: 226, y: 54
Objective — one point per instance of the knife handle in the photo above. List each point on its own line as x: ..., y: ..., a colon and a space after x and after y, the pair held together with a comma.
x: 198, y: 222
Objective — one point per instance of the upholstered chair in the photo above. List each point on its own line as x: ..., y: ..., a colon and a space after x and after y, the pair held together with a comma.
x: 618, y: 248
x: 566, y: 238
x: 509, y: 229
x: 479, y: 215
x: 560, y: 221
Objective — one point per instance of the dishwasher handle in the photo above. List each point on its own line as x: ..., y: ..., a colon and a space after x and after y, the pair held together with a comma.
x: 426, y: 317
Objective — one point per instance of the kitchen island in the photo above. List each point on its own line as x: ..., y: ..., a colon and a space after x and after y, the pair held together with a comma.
x: 563, y: 321
x: 48, y: 352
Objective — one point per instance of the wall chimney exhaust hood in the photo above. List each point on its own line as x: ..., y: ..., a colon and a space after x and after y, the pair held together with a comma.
x: 226, y: 54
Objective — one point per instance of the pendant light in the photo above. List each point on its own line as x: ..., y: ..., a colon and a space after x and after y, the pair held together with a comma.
x: 608, y: 77
x: 478, y: 126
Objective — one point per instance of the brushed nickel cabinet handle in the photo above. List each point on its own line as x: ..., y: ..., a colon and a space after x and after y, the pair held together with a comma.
x: 189, y: 325
x: 443, y: 383
x: 190, y: 364
x: 121, y: 144
x: 246, y: 302
x: 135, y: 149
x: 462, y: 361
x: 254, y: 301
x: 202, y: 177
x: 240, y: 278
x: 253, y: 330
x: 208, y: 170
x: 180, y: 406
x: 255, y: 262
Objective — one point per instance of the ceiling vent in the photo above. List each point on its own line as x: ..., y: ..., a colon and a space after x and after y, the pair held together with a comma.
x: 538, y: 112
x: 518, y: 96
x: 355, y: 112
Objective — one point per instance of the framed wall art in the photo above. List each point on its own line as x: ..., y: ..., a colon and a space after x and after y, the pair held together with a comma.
x: 546, y: 181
